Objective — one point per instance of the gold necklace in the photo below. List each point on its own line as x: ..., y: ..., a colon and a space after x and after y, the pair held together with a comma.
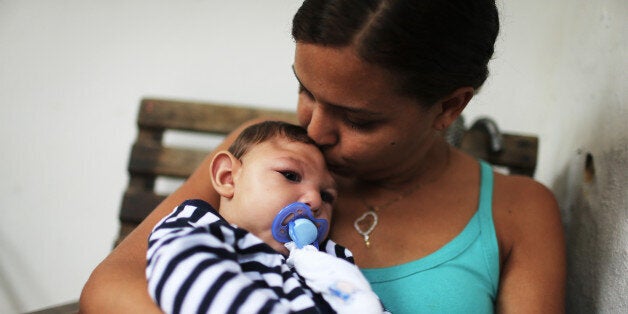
x: 372, y: 212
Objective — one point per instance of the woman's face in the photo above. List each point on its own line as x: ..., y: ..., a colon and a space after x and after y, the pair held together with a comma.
x: 350, y: 108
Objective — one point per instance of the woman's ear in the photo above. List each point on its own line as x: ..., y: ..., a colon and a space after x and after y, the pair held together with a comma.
x: 451, y: 107
x: 221, y: 171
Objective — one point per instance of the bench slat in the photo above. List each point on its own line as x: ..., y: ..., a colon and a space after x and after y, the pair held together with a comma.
x: 202, y: 117
x: 136, y: 205
x: 164, y: 161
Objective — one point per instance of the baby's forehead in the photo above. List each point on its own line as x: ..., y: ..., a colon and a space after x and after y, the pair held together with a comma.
x: 287, y: 139
x: 283, y: 143
x: 306, y: 154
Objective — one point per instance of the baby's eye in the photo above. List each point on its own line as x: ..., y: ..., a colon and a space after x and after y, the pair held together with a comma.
x: 327, y: 197
x: 291, y: 175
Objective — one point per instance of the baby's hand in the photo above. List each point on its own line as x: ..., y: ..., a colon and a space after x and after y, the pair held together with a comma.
x: 340, y: 282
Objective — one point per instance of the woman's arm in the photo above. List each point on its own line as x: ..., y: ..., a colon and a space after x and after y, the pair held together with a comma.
x: 118, y: 283
x: 533, y: 272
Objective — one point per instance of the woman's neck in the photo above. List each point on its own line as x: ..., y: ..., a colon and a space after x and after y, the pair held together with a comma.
x: 428, y: 168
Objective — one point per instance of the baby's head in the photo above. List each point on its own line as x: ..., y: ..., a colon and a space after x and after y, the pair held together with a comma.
x: 270, y: 165
x: 264, y: 131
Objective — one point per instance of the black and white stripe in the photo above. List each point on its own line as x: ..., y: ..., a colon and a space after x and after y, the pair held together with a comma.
x: 199, y: 263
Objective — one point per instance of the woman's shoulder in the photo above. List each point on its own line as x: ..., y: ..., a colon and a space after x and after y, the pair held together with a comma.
x: 515, y: 194
x: 522, y: 207
x: 512, y: 193
x: 521, y: 195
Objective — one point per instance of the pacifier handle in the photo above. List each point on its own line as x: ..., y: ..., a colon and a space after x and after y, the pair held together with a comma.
x: 303, y: 232
x: 296, y: 222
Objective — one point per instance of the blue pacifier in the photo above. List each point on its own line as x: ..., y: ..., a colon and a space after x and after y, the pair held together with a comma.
x: 296, y: 222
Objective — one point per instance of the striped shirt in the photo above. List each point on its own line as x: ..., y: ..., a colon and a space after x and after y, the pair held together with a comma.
x: 199, y: 263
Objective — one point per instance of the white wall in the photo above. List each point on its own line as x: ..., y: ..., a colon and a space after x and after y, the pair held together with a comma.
x: 560, y: 72
x: 73, y: 71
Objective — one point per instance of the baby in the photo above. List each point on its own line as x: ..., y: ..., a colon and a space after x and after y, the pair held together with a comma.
x: 276, y: 201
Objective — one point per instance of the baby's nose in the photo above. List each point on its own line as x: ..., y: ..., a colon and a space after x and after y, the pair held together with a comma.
x: 313, y: 200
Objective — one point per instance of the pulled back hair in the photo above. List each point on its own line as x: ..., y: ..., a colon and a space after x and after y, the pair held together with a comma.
x: 431, y: 47
x: 264, y: 131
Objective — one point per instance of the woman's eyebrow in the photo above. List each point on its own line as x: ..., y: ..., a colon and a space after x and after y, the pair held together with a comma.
x: 346, y: 108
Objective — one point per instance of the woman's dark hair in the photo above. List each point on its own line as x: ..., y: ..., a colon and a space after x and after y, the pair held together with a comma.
x: 432, y: 47
x: 264, y: 131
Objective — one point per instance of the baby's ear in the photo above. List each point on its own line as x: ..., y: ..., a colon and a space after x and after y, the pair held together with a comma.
x: 221, y: 171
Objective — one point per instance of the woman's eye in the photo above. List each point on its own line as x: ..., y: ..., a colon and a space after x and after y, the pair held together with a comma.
x: 357, y: 124
x: 291, y: 176
x: 305, y: 91
x: 327, y: 197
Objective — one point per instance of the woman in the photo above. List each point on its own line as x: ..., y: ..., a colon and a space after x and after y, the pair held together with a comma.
x: 433, y: 229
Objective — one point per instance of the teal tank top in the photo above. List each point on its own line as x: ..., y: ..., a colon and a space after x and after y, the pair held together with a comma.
x: 460, y: 277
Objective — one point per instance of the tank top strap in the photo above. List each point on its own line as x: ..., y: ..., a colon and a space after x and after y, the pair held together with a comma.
x: 485, y: 212
x: 486, y: 190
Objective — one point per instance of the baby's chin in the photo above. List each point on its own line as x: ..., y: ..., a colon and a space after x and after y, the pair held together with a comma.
x: 273, y: 243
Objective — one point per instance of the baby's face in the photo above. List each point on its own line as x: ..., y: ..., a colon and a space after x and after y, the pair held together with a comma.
x: 274, y: 174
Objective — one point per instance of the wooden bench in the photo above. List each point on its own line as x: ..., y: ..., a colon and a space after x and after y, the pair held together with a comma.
x: 151, y: 158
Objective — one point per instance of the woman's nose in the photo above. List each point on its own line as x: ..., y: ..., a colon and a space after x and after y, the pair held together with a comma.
x: 320, y: 127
